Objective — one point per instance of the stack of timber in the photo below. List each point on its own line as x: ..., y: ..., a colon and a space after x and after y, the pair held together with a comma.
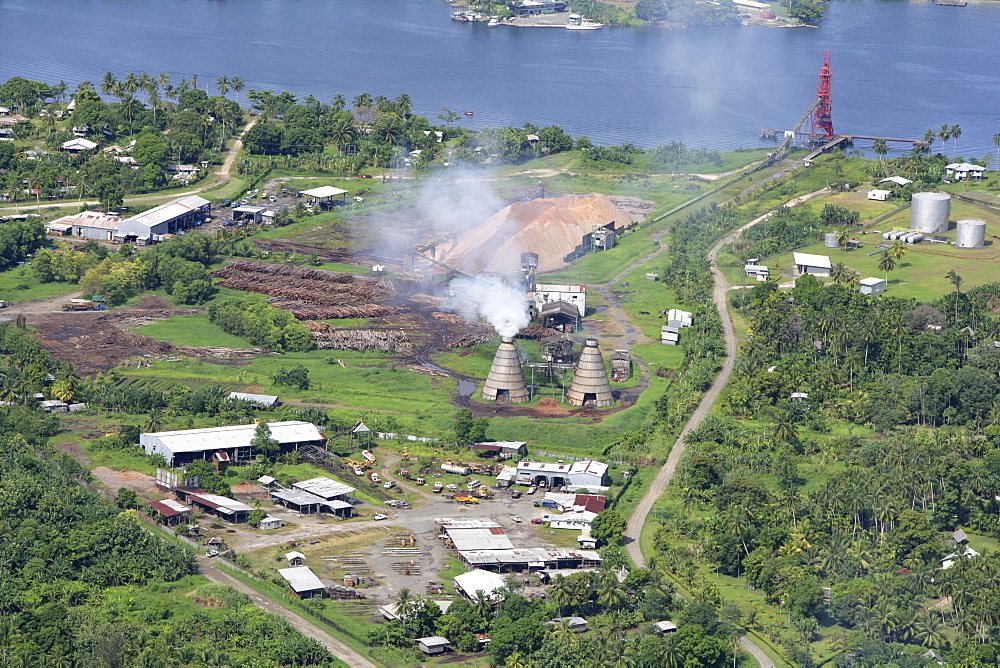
x: 388, y: 341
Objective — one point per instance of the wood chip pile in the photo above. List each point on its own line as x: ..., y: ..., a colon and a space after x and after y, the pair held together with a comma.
x: 326, y: 336
x: 310, y: 294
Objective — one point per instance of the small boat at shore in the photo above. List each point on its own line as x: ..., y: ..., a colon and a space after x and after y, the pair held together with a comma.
x: 468, y: 113
x: 461, y: 16
x: 578, y: 22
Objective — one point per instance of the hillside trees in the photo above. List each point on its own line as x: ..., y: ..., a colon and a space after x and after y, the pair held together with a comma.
x: 252, y: 318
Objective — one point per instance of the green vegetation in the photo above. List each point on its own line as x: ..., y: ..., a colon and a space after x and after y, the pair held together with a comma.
x: 192, y: 330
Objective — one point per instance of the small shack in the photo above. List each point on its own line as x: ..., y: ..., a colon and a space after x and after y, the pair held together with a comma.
x: 575, y: 624
x: 295, y: 559
x: 560, y: 315
x: 871, y: 286
x: 432, y: 644
x: 324, y: 196
x: 666, y: 626
x: 249, y: 214
x: 621, y: 366
x: 172, y: 512
x: 303, y: 582
x: 270, y: 522
x: 879, y: 195
x: 817, y: 265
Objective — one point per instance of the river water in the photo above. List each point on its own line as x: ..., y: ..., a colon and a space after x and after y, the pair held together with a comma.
x: 899, y: 67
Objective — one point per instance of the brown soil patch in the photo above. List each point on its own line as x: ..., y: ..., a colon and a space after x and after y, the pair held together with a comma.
x: 113, y: 480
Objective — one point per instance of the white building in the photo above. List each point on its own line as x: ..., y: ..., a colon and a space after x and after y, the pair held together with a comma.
x: 302, y: 581
x: 872, y: 286
x: 879, y: 195
x: 268, y: 400
x: 898, y: 180
x: 170, y: 218
x: 817, y: 265
x: 587, y: 474
x: 571, y: 294
x: 679, y: 318
x: 479, y: 580
x: 183, y: 446
x: 963, y: 170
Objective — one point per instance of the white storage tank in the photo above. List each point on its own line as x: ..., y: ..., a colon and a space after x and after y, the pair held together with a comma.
x: 970, y: 234
x: 929, y: 212
x: 915, y: 238
x: 452, y: 468
x: 830, y: 240
x: 886, y: 236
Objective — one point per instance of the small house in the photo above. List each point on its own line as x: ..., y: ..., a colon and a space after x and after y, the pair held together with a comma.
x: 665, y: 626
x: 960, y: 537
x: 303, y: 582
x: 170, y: 510
x: 270, y: 522
x: 78, y: 145
x: 871, y: 286
x: 817, y: 265
x: 963, y: 170
x: 432, y: 644
x: 652, y: 277
x: 575, y: 624
x: 799, y: 396
x: 879, y: 195
x: 54, y: 406
x: 295, y: 559
x: 898, y: 180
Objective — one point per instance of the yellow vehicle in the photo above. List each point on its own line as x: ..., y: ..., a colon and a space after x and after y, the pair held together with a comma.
x: 466, y: 499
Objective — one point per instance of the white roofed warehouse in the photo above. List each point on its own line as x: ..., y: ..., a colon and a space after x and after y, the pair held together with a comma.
x: 184, y: 446
x: 817, y: 265
x: 587, y: 474
x: 181, y: 214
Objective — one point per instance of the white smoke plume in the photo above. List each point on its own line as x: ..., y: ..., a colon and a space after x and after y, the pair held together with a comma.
x: 500, y: 304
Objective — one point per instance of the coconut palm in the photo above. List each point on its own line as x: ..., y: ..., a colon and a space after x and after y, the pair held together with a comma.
x: 237, y: 84
x: 886, y: 263
x: 842, y: 237
x: 898, y: 249
x: 881, y: 148
x: 956, y: 280
x: 194, y: 81
x: 108, y: 83
x: 222, y: 83
x: 561, y: 594
x: 362, y: 100
x: 785, y: 431
x: 854, y: 280
x: 154, y: 421
x: 405, y: 603
x: 404, y: 105
x: 63, y: 390
x: 929, y: 137
x: 481, y: 604
x: 130, y: 108
x: 338, y: 103
x: 840, y: 272
x: 955, y: 133
x: 996, y: 142
x: 59, y: 90
x: 163, y: 81
x: 929, y: 633
x: 944, y: 134
x: 130, y: 83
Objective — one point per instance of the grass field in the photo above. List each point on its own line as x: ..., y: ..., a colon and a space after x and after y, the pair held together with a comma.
x: 20, y: 285
x: 193, y: 330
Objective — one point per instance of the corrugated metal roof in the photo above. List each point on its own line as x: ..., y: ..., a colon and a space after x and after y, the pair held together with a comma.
x: 222, y: 503
x: 324, y: 487
x: 524, y: 555
x: 169, y: 507
x: 323, y: 191
x: 810, y: 260
x: 298, y: 497
x: 301, y: 579
x: 480, y: 580
x: 479, y: 538
x: 234, y: 436
x: 266, y: 399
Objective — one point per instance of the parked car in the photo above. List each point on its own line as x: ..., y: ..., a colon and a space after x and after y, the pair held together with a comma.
x: 380, y: 516
x: 537, y: 521
x: 212, y: 553
x: 516, y: 519
x: 515, y: 494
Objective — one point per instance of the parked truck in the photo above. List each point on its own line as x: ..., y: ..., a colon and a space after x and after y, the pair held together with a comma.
x: 460, y: 469
x: 82, y: 305
x: 438, y: 486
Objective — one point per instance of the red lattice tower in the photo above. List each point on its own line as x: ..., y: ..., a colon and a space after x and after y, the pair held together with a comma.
x: 822, y: 120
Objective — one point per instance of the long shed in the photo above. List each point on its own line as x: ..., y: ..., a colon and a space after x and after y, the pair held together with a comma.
x: 183, y: 446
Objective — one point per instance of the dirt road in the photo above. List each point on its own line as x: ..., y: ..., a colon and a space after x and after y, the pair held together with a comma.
x: 666, y: 473
x: 307, y: 628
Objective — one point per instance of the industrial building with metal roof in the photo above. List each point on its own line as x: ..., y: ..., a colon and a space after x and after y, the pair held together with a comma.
x: 586, y: 474
x: 170, y: 218
x: 302, y: 581
x: 228, y: 509
x: 307, y: 504
x: 325, y: 488
x: 479, y: 580
x: 518, y: 559
x: 183, y: 446
x: 268, y: 400
x: 492, y: 537
x: 807, y: 263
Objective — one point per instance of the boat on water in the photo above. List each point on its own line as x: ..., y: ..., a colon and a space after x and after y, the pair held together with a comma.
x: 468, y: 113
x: 494, y: 22
x: 578, y: 22
x: 461, y: 16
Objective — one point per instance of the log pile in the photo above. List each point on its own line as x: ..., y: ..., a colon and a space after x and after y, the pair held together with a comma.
x: 272, y: 269
x: 536, y: 332
x: 300, y: 284
x: 309, y: 312
x: 394, y: 342
x: 470, y: 339
x: 129, y: 338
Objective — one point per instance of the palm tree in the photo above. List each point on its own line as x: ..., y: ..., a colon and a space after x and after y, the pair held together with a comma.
x: 130, y: 108
x: 481, y: 604
x: 560, y: 593
x: 342, y: 131
x: 898, y: 249
x: 944, y: 134
x: 194, y: 81
x: 222, y: 83
x: 338, y: 103
x: 956, y: 280
x: 59, y: 91
x: 154, y: 421
x: 362, y: 100
x: 854, y: 280
x: 404, y: 105
x: 955, y: 133
x: 131, y: 83
x: 842, y: 237
x: 786, y: 432
x: 404, y: 603
x: 886, y: 263
x: 237, y: 84
x: 147, y: 84
x: 928, y: 631
x: 996, y: 142
x: 929, y: 137
x: 163, y: 81
x: 840, y: 273
x: 108, y: 83
x: 881, y: 148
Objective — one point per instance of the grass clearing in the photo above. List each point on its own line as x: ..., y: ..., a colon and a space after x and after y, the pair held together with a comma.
x: 192, y: 330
